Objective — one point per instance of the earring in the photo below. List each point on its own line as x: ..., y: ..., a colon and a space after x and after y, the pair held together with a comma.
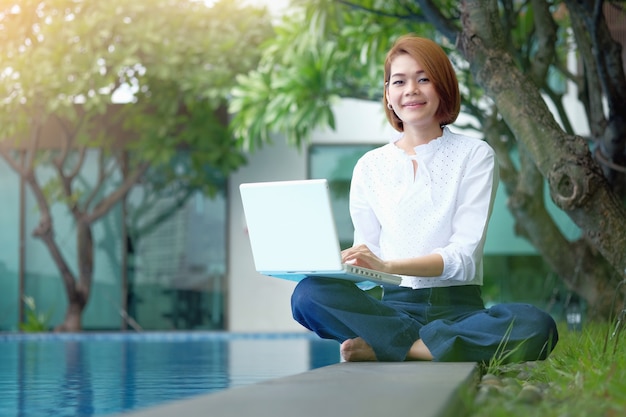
x: 389, y: 106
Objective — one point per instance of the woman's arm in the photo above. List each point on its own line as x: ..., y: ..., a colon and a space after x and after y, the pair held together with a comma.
x: 424, y: 266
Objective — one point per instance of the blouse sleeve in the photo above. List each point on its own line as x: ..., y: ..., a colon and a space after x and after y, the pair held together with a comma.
x: 476, y: 195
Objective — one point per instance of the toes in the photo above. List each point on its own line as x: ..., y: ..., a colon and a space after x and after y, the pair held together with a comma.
x: 356, y: 350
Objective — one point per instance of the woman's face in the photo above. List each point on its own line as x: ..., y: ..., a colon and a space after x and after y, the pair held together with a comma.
x: 411, y: 93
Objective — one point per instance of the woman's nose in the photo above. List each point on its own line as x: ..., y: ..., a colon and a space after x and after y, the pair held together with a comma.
x: 412, y: 87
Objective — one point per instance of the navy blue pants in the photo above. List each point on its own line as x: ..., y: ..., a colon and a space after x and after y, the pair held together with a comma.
x: 451, y: 321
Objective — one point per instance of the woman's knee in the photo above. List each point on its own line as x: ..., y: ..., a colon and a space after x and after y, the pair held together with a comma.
x: 547, y: 332
x: 535, y: 318
x: 313, y: 291
x: 536, y: 327
x: 305, y: 291
x: 300, y: 295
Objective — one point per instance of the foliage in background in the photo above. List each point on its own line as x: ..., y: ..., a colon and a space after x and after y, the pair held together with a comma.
x: 120, y: 93
x: 34, y: 320
x: 513, y: 60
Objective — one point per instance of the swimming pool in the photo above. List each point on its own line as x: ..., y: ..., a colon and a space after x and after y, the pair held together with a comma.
x: 109, y: 373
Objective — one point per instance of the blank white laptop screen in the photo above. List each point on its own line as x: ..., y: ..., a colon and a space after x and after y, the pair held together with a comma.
x: 293, y: 234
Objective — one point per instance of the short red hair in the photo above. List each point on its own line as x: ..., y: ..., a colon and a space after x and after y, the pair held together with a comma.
x: 439, y: 70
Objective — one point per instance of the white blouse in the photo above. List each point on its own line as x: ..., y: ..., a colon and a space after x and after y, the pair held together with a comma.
x: 444, y: 208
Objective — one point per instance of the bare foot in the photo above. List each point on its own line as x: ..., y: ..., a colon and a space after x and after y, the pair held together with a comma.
x: 357, y: 350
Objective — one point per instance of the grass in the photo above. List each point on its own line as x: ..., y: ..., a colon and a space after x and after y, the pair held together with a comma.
x: 580, y: 378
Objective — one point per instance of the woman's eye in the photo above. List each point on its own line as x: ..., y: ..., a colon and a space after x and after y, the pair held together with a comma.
x: 398, y: 82
x: 423, y: 80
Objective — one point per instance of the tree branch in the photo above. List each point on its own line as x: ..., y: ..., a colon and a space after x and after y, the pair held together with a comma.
x: 442, y: 23
x: 545, y: 28
x: 560, y: 109
x: 99, y: 182
x: 376, y: 12
x: 105, y: 204
x: 576, y: 184
x: 609, y: 71
x: 61, y: 160
x: 164, y: 213
x: 15, y: 166
x: 45, y: 232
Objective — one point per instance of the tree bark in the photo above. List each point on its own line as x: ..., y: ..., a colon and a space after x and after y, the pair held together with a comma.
x: 576, y: 182
x: 73, y: 318
x: 604, y: 71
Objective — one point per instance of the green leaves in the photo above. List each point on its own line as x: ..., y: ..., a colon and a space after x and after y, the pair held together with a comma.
x: 320, y: 52
x: 34, y: 320
x: 178, y: 62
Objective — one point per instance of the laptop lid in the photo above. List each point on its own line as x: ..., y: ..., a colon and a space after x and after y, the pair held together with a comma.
x: 291, y: 226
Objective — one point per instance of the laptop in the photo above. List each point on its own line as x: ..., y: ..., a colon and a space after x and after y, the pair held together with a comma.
x: 293, y: 234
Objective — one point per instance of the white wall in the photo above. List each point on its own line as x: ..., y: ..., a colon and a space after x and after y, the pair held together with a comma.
x: 256, y: 302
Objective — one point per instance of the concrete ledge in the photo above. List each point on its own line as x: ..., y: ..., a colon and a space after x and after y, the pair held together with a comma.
x: 419, y: 389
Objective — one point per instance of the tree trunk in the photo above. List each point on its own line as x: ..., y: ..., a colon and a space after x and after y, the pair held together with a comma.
x: 73, y: 317
x: 77, y: 291
x: 594, y: 265
x: 79, y: 296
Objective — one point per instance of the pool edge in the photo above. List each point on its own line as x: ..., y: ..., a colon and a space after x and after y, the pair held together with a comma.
x: 427, y: 389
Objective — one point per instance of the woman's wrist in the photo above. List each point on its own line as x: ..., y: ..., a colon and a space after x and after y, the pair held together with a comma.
x: 388, y: 267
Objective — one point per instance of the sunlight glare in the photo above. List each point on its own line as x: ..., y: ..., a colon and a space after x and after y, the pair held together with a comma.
x: 273, y: 6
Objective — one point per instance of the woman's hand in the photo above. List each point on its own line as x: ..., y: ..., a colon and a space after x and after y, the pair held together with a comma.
x: 362, y: 256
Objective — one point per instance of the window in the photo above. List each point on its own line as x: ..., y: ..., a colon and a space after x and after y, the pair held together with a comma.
x: 177, y: 268
x: 335, y: 163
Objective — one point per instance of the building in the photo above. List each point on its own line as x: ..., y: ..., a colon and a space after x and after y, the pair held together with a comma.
x: 195, y: 271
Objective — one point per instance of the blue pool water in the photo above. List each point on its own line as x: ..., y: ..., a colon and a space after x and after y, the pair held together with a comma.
x: 110, y: 373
